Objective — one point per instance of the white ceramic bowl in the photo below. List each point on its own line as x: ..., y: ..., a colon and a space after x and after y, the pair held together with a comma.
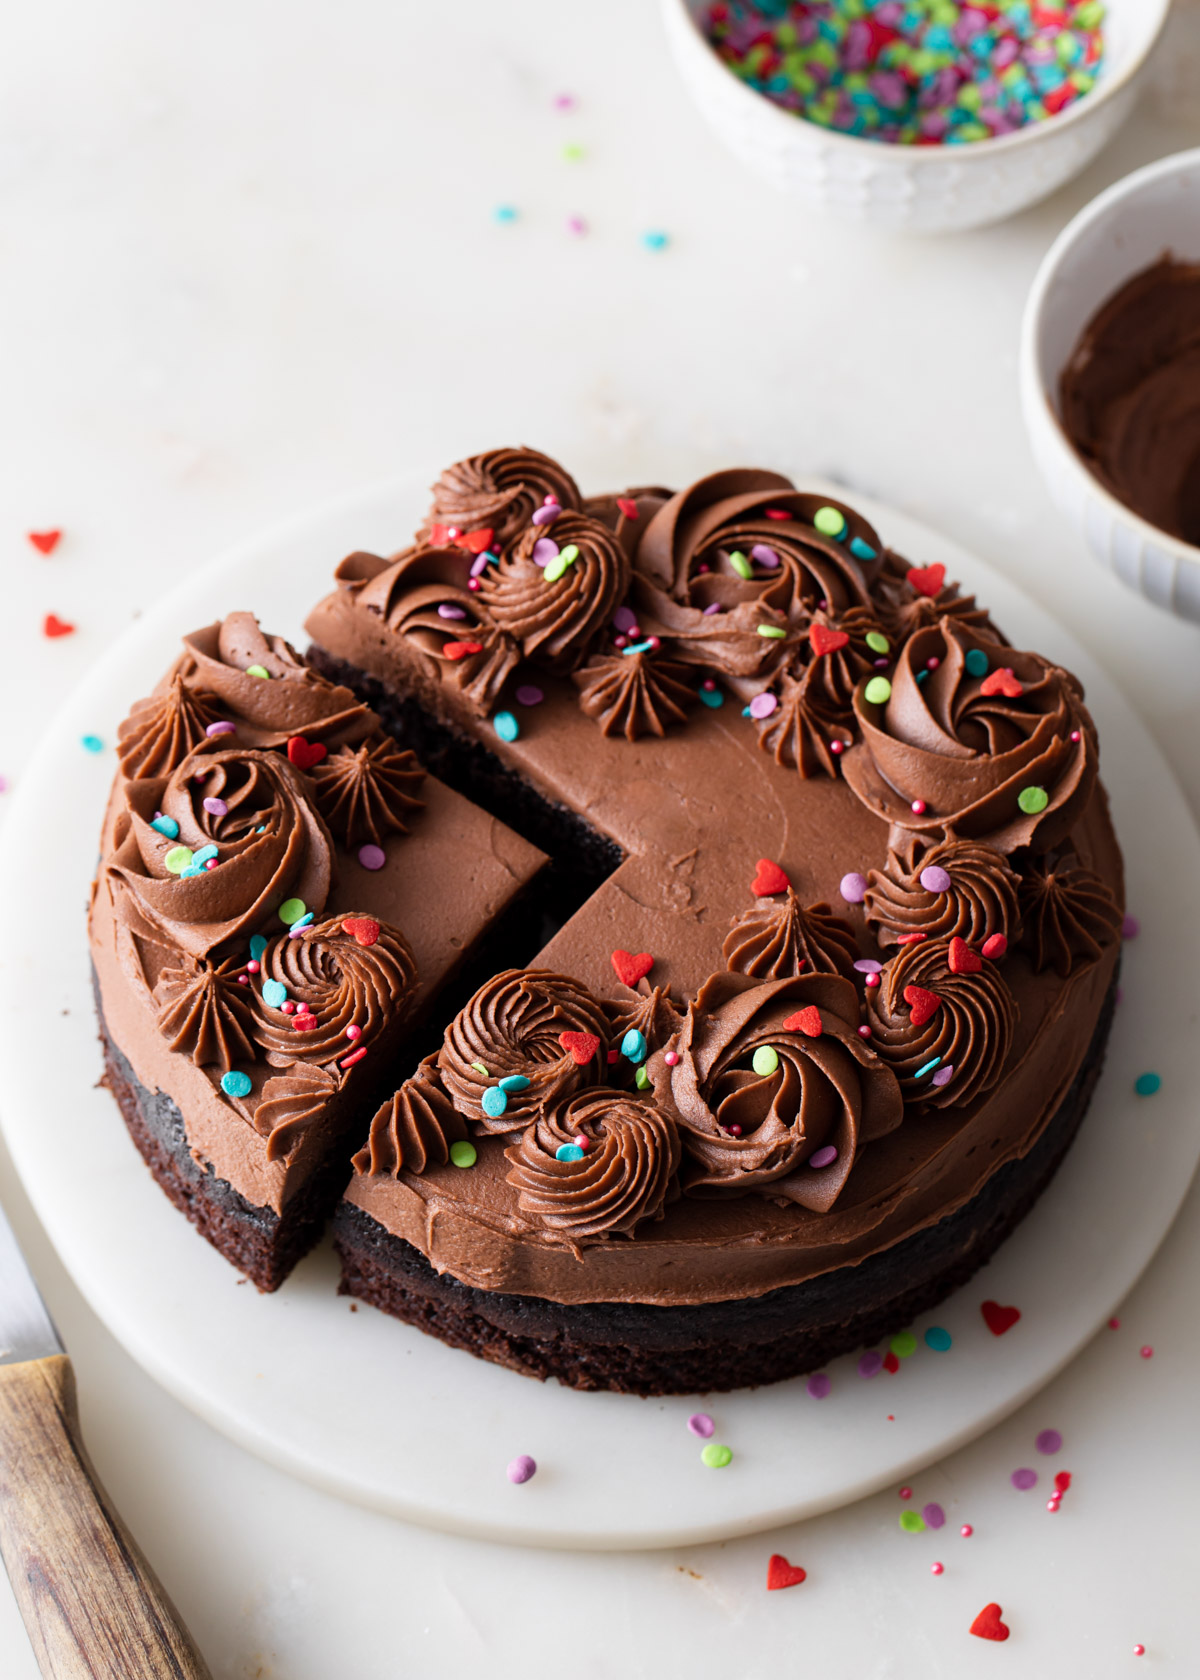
x: 925, y: 188
x: 1124, y: 230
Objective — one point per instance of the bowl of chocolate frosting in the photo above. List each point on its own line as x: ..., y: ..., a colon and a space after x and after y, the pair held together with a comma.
x: 1110, y: 378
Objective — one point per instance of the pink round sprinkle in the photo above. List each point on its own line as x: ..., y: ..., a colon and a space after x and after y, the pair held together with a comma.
x: 216, y: 807
x: 837, y: 748
x: 944, y: 1075
x: 1146, y: 1352
x: 1053, y: 1503
x: 701, y: 1424
x: 550, y: 499
x: 966, y: 1531
x: 353, y: 1032
x: 918, y: 807
x: 583, y: 1142
x: 653, y: 644
x: 451, y: 609
x: 763, y: 705
x: 936, y: 1568
x: 864, y: 1032
x: 253, y: 966
x: 1139, y: 1650
x: 734, y: 1130
x: 703, y: 567
x: 881, y: 664
x: 934, y: 1516
x: 289, y: 1008
x: 870, y: 1365
x: 371, y: 857
x: 872, y: 981
x: 1130, y: 927
x: 818, y: 1385
x: 625, y: 619
x: 853, y: 887
x: 935, y: 880
x: 1049, y: 1441
x: 709, y: 684
x: 243, y: 979
x: 906, y: 1493
x: 473, y: 584
x: 1075, y: 736
x: 522, y: 1468
x: 1114, y: 1324
x: 529, y: 695
x: 671, y: 1057
x: 210, y: 863
x: 576, y: 225
x: 932, y: 664
x: 223, y: 728
x: 620, y: 641
x: 1024, y: 1479
x: 823, y: 1157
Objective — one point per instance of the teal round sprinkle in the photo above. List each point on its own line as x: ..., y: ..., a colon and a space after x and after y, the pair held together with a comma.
x: 642, y: 1079
x: 977, y: 662
x: 938, y: 1339
x: 203, y: 855
x: 274, y: 993
x: 715, y: 1456
x: 291, y: 910
x: 506, y: 726
x: 829, y: 521
x: 463, y: 1154
x: 494, y: 1102
x: 568, y: 1152
x: 504, y: 213
x: 928, y: 1067
x: 257, y: 946
x: 633, y: 1046
x: 772, y: 632
x: 178, y: 859
x: 235, y: 1083
x: 1146, y: 1084
x: 304, y: 920
x: 878, y: 691
x: 741, y: 565
x: 765, y: 1061
x: 1032, y: 800
x: 638, y: 647
x: 655, y: 240
x: 91, y: 743
x: 862, y: 550
x: 912, y: 1522
x: 167, y: 827
x: 877, y: 641
x: 712, y: 697
x: 514, y: 1082
x: 922, y: 677
x: 903, y: 1345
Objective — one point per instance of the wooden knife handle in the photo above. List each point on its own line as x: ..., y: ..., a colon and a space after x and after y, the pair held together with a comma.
x: 91, y: 1603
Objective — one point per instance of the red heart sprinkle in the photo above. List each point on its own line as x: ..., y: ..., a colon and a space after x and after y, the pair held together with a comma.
x: 1004, y: 681
x: 910, y: 938
x: 45, y: 541
x: 987, y: 1625
x: 998, y: 1319
x: 995, y: 947
x: 769, y: 880
x: 460, y: 650
x: 924, y: 1004
x: 1062, y: 1480
x: 781, y: 1573
x: 303, y: 1023
x: 304, y: 754
x: 476, y: 541
x: 632, y: 966
x: 628, y: 507
x: 52, y: 625
x: 580, y: 1046
x: 962, y: 959
x: 824, y: 640
x: 927, y: 580
x: 806, y: 1021
x: 891, y: 1362
x: 363, y: 929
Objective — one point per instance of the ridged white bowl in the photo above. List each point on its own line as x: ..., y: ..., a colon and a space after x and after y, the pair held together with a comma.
x: 1127, y: 228
x: 924, y: 188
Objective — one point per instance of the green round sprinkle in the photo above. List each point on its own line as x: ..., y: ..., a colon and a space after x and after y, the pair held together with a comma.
x: 715, y: 1456
x: 938, y: 1339
x: 771, y: 631
x: 494, y: 1101
x: 904, y: 1344
x: 573, y: 151
x: 829, y: 521
x: 178, y: 859
x: 555, y: 569
x: 977, y: 662
x: 1146, y: 1084
x: 506, y: 726
x: 877, y: 641
x: 570, y: 553
x: 479, y: 1068
x: 912, y: 1522
x: 1032, y: 800
x: 878, y: 691
x: 765, y: 1060
x: 258, y: 671
x: 291, y: 910
x: 741, y: 565
x: 235, y: 1083
x: 463, y: 1154
x: 642, y: 1079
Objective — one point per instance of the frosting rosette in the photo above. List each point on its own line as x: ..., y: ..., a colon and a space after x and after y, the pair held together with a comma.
x: 773, y: 1089
x: 556, y: 589
x: 527, y: 1039
x: 162, y: 730
x: 635, y: 694
x: 291, y: 1104
x: 1070, y: 914
x: 369, y: 791
x: 944, y: 1034
x: 974, y: 739
x: 813, y: 721
x: 204, y: 1013
x: 627, y: 512
x: 413, y: 1129
x: 265, y: 688
x: 499, y: 491
x: 596, y: 1167
x: 246, y: 812
x: 649, y: 1014
x: 957, y: 888
x: 911, y: 598
x: 347, y: 979
x: 779, y: 938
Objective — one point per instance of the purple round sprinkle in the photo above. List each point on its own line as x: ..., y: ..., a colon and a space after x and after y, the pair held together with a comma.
x: 296, y: 933
x: 763, y: 705
x: 713, y: 607
x: 870, y: 1365
x: 1024, y: 1479
x: 222, y: 728
x: 854, y: 887
x: 1130, y: 927
x: 216, y: 807
x: 934, y: 1516
x: 868, y: 965
x: 881, y: 664
x: 625, y: 620
x: 765, y: 556
x: 935, y: 880
x: 522, y: 1468
x: 547, y: 514
x: 1049, y: 1441
x: 480, y: 564
x: 371, y: 857
x: 545, y: 549
x: 819, y: 1385
x: 528, y: 695
x: 449, y: 610
x: 701, y: 1424
x: 823, y: 1157
x: 944, y: 1075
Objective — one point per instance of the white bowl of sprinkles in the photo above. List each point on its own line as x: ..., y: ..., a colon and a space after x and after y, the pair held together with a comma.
x: 926, y: 188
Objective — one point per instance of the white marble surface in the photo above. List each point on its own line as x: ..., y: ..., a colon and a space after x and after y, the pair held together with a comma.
x: 248, y: 261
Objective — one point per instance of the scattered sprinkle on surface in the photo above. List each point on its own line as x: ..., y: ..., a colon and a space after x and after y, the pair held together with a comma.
x: 701, y: 1424
x: 1049, y: 1441
x: 522, y: 1469
x: 1024, y: 1479
x: 819, y: 1385
x: 938, y: 1339
x: 715, y: 1456
x: 1146, y: 1084
x: 91, y: 743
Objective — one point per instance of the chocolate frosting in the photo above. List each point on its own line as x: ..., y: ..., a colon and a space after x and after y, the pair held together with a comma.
x: 500, y: 490
x: 650, y: 1011
x: 635, y: 694
x: 826, y: 1091
x: 292, y: 699
x: 970, y: 1031
x: 414, y: 1129
x: 270, y: 845
x: 511, y: 1029
x: 963, y: 756
x: 981, y: 899
x: 367, y: 792
x: 631, y: 1155
x: 162, y: 730
x: 291, y: 1104
x: 345, y: 992
x: 555, y: 620
x: 204, y: 1013
x: 816, y: 697
x: 1130, y: 396
x: 779, y: 938
x: 1070, y: 914
x: 907, y: 608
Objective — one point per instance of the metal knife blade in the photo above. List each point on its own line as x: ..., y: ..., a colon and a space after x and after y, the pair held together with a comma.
x: 26, y: 1328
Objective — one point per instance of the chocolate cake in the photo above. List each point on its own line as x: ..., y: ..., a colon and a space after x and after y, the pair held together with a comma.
x: 791, y: 1030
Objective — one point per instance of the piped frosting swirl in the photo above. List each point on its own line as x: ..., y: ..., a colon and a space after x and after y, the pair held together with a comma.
x: 162, y: 730
x: 368, y: 792
x: 413, y: 1129
x: 556, y: 589
x: 958, y: 887
x: 499, y: 490
x: 1071, y: 915
x: 780, y: 938
x: 349, y: 978
x: 291, y: 1104
x: 228, y: 659
x: 204, y: 1013
x: 635, y: 694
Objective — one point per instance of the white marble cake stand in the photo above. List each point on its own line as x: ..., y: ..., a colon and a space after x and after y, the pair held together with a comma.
x: 372, y: 1410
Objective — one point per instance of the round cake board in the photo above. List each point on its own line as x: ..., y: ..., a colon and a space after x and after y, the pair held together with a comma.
x: 373, y: 1410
